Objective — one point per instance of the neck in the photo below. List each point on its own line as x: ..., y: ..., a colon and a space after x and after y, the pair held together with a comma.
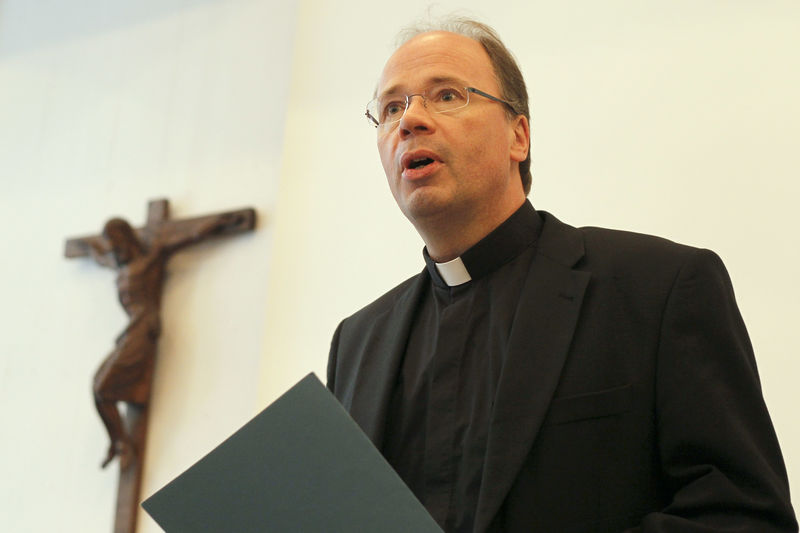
x: 449, y: 235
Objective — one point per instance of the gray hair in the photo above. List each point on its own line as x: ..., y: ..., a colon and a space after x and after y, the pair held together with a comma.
x: 506, y: 70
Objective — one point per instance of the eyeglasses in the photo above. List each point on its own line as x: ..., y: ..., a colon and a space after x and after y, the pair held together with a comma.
x: 387, y: 110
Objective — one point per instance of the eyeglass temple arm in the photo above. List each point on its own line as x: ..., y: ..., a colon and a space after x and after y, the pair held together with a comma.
x: 490, y: 97
x: 371, y: 118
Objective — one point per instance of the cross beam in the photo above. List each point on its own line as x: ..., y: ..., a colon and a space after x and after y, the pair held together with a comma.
x: 159, y: 226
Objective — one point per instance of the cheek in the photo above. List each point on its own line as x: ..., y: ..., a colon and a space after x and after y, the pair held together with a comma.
x: 490, y: 147
x: 386, y: 152
x: 476, y: 150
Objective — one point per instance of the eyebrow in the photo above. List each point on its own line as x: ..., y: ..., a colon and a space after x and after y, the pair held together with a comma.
x: 396, y: 88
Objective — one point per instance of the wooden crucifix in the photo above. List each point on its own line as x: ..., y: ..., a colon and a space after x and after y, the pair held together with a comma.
x: 125, y: 377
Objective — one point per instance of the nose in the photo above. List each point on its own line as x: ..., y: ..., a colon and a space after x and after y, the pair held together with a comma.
x: 416, y: 119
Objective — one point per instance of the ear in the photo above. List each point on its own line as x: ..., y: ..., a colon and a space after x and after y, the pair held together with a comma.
x: 521, y: 139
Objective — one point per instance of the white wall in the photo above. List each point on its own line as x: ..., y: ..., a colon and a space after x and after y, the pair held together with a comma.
x: 676, y: 118
x: 103, y: 106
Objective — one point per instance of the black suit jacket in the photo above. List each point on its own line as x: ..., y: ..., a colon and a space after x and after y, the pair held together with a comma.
x: 629, y: 399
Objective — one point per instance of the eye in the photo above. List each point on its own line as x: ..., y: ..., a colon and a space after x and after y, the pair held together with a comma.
x: 392, y: 109
x: 448, y: 95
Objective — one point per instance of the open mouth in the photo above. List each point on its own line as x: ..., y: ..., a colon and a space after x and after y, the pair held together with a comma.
x: 418, y: 163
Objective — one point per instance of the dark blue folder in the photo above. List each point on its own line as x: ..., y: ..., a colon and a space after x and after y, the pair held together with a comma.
x: 302, y: 465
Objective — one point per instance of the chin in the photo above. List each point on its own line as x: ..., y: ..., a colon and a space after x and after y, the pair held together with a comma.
x: 420, y: 205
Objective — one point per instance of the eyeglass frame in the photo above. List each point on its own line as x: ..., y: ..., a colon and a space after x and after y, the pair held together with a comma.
x: 408, y: 97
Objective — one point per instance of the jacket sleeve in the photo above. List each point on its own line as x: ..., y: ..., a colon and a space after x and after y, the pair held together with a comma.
x: 718, y: 450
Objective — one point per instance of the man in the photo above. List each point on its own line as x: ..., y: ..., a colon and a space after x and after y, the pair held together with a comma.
x: 535, y: 376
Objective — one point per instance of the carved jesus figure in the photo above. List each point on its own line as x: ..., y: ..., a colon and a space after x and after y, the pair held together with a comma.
x: 126, y: 375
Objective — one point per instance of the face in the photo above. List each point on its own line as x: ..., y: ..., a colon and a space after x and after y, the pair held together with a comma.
x: 472, y: 154
x: 122, y: 239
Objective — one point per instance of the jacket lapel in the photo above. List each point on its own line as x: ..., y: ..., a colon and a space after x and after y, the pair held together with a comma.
x: 368, y: 400
x: 539, y: 341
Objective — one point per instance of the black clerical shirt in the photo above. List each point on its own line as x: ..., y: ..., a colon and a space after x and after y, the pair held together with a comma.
x: 439, y: 414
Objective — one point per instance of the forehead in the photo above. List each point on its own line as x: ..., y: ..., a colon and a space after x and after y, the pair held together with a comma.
x: 435, y: 55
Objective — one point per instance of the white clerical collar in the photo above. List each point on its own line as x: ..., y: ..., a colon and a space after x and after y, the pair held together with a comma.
x: 453, y: 272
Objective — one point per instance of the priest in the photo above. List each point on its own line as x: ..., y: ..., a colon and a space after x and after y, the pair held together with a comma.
x: 536, y: 376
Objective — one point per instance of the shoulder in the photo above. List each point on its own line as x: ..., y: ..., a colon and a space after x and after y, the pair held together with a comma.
x: 640, y: 267
x: 398, y: 297
x: 370, y: 330
x: 615, y: 250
